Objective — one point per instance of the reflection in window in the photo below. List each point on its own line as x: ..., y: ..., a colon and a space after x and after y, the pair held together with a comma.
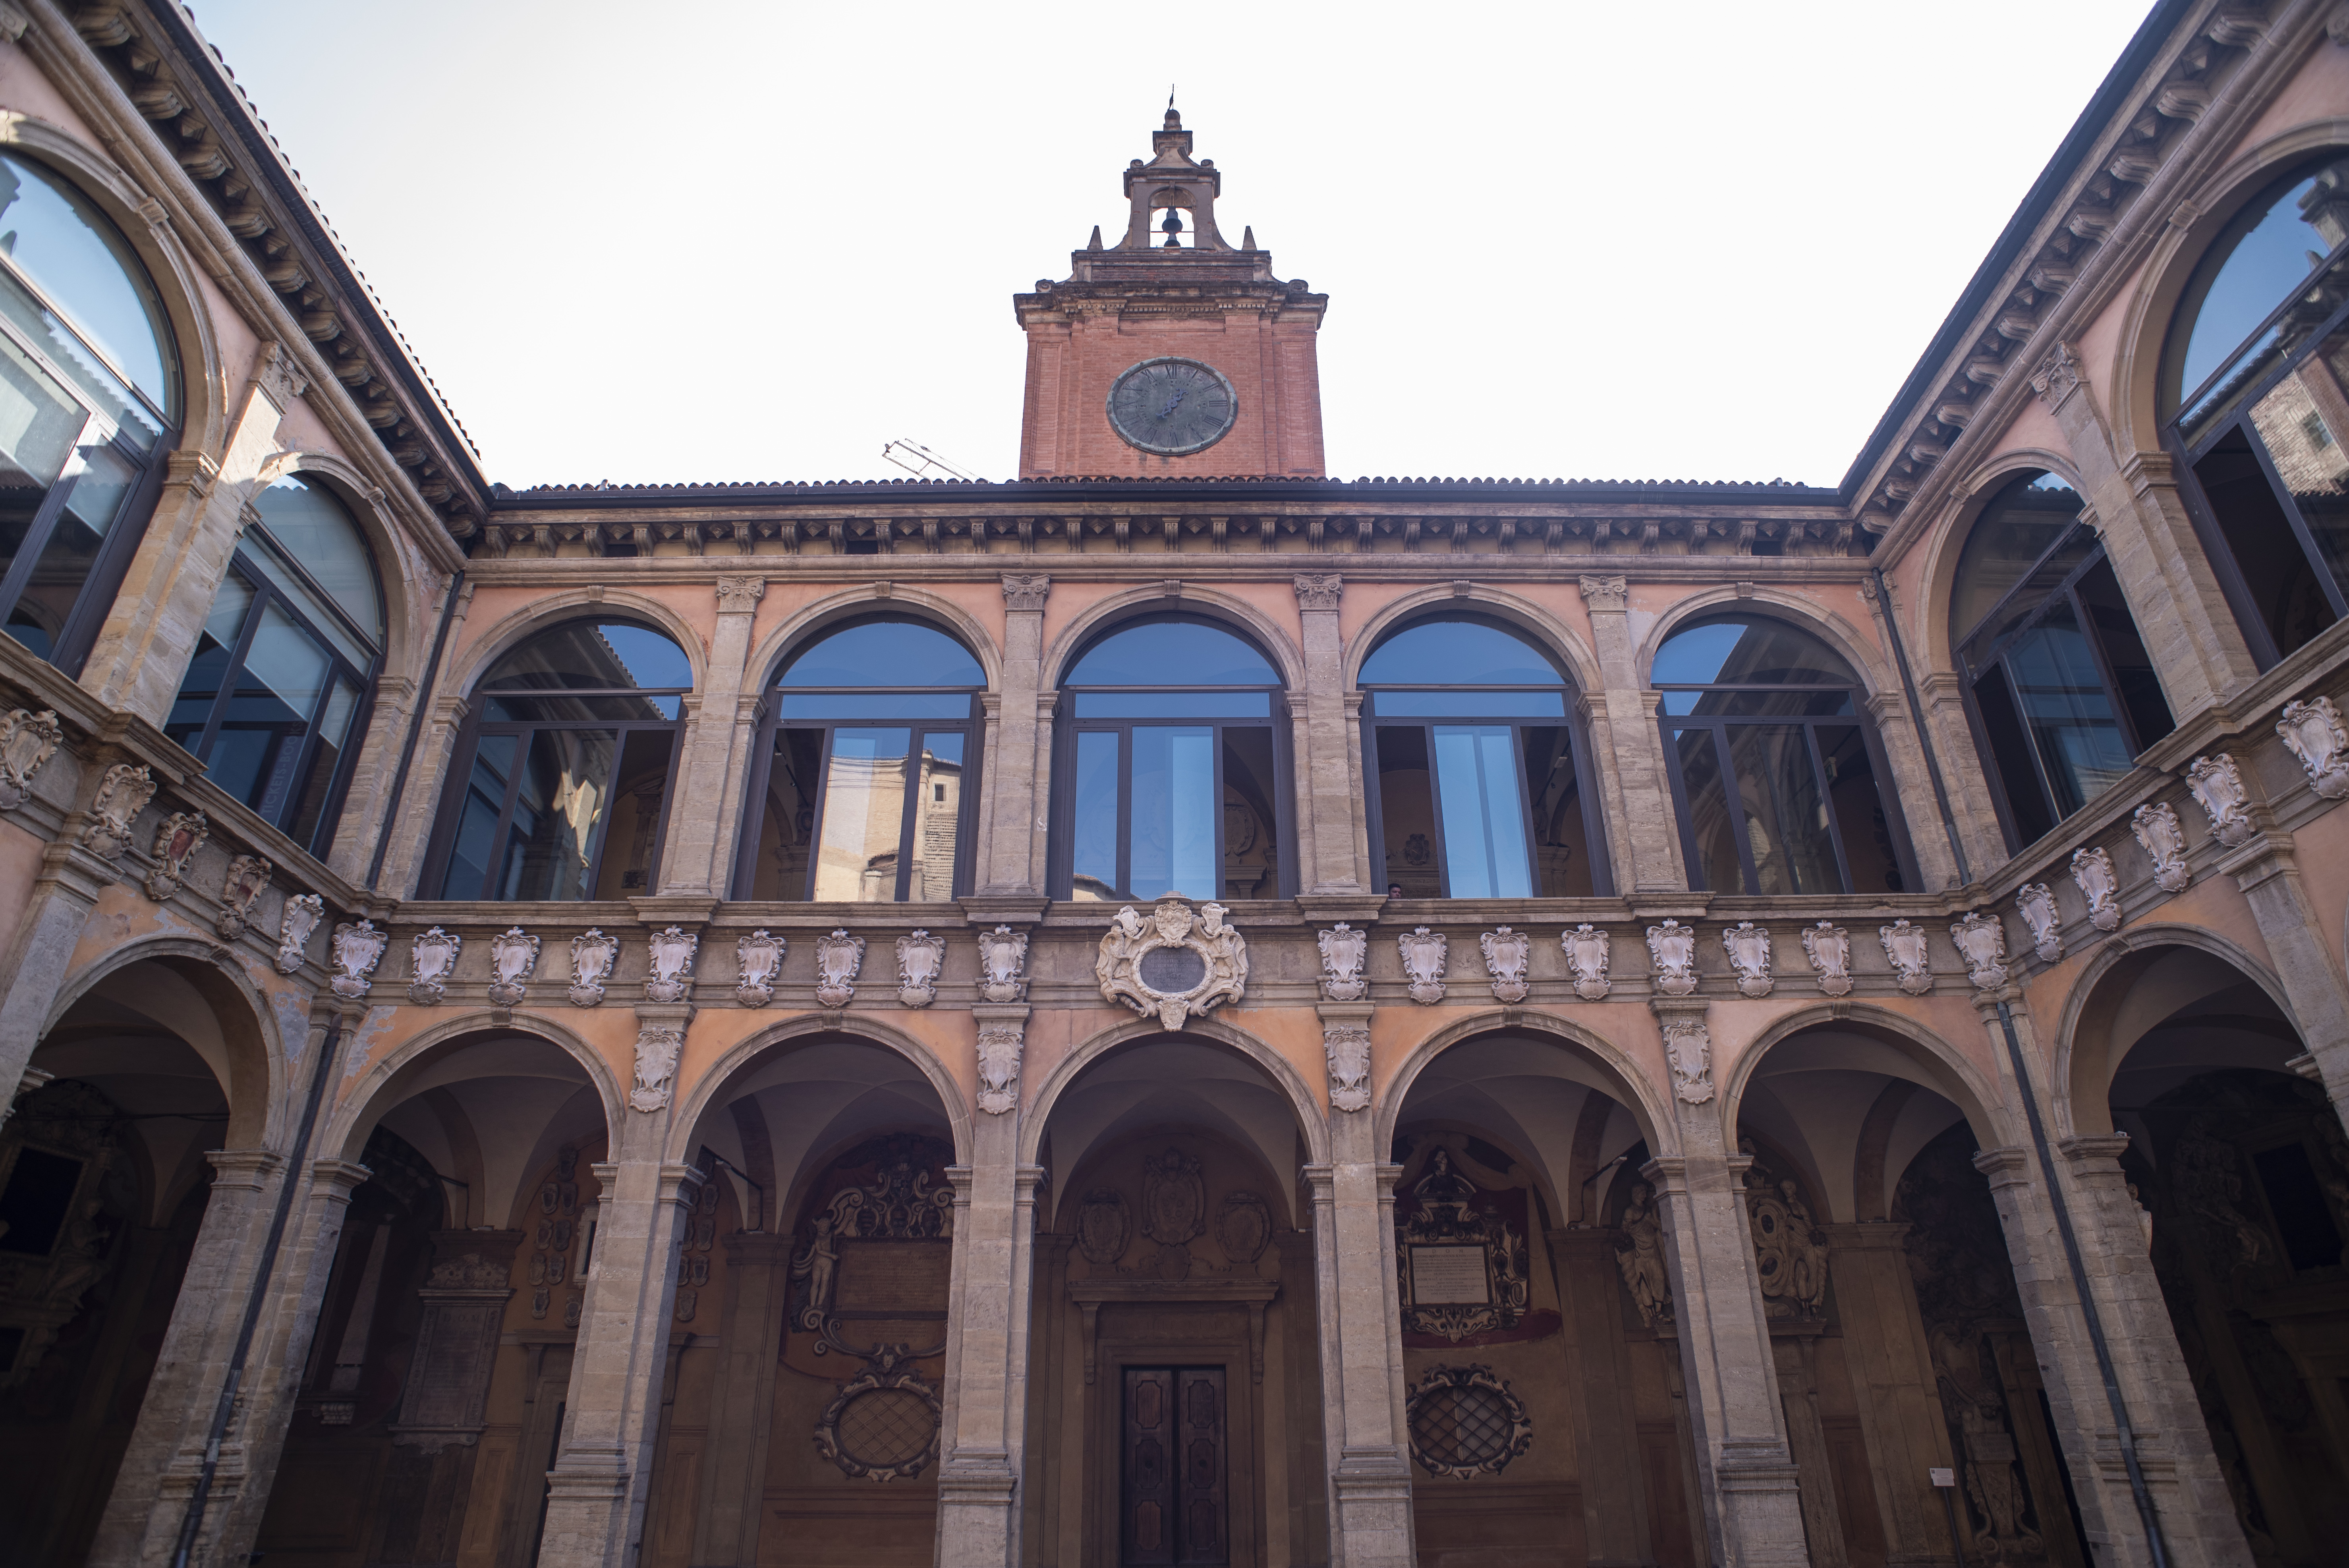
x: 275, y: 699
x: 1478, y: 793
x: 1172, y: 762
x: 2061, y: 686
x: 862, y: 769
x: 566, y: 766
x: 89, y: 390
x: 1778, y: 775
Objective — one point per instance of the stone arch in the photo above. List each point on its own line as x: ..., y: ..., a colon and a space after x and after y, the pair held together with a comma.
x: 2132, y: 395
x: 1857, y: 648
x: 1546, y: 629
x: 411, y: 595
x: 2085, y: 1057
x: 914, y: 603
x: 710, y: 1090
x: 598, y: 602
x: 364, y: 1102
x: 1208, y: 603
x: 1929, y: 631
x: 260, y: 1066
x: 1636, y: 1091
x: 1304, y: 1103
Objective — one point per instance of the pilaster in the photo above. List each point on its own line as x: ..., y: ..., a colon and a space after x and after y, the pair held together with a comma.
x: 1012, y: 831
x: 708, y: 790
x: 1362, y: 1350
x: 1651, y: 838
x: 1338, y: 859
x: 983, y: 1439
x: 2268, y: 871
x: 40, y: 955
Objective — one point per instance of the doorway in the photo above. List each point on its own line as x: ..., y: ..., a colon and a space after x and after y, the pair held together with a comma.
x: 1173, y: 1501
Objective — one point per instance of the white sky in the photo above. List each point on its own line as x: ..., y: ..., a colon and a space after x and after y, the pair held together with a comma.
x: 735, y: 240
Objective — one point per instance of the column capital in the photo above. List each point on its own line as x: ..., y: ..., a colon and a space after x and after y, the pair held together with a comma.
x: 739, y: 596
x: 1604, y: 593
x: 2006, y: 1167
x: 2085, y: 1153
x: 249, y: 1169
x: 1666, y: 1173
x: 680, y: 1183
x: 1319, y: 591
x: 1026, y: 590
x: 337, y: 1179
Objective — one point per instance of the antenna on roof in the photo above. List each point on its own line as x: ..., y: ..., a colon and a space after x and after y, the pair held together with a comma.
x: 923, y: 463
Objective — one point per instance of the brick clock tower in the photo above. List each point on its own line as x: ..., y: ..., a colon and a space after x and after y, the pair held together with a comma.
x: 1171, y: 354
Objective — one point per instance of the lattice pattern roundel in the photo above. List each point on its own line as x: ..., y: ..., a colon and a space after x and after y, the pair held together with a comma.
x: 1465, y: 1422
x: 884, y: 1428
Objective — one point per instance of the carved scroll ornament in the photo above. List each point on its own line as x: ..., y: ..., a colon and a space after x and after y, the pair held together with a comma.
x: 2163, y: 839
x: 2037, y: 901
x: 593, y: 955
x: 181, y: 834
x: 1688, y: 1046
x: 357, y: 949
x: 920, y: 956
x: 1175, y: 964
x: 1585, y: 959
x: 300, y: 917
x: 2216, y: 783
x: 839, y: 959
x: 757, y: 959
x: 431, y: 959
x: 1671, y: 949
x: 670, y: 976
x: 658, y: 1047
x: 122, y: 793
x: 1001, y: 1043
x: 1440, y: 1443
x: 1348, y: 1049
x: 1981, y: 941
x: 514, y: 959
x: 1507, y: 953
x: 1748, y: 947
x: 28, y: 740
x: 247, y: 875
x: 2312, y: 731
x: 1425, y: 954
x: 2092, y: 870
x: 1904, y: 950
x: 1003, y: 964
x: 1829, y: 947
x: 1343, y: 949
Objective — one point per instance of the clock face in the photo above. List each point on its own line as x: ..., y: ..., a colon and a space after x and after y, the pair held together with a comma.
x: 1172, y: 406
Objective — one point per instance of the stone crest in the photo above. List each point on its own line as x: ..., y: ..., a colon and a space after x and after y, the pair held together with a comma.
x: 1507, y: 955
x: 1585, y: 959
x: 2092, y: 870
x: 1348, y: 1049
x: 1343, y: 949
x: 1174, y: 1199
x: 1242, y: 1226
x: 2216, y: 783
x: 514, y: 959
x: 1672, y: 948
x: 1425, y: 955
x: 657, y: 1045
x: 28, y: 740
x: 919, y: 958
x: 2163, y: 839
x: 1981, y: 941
x: 300, y: 917
x: 1911, y: 960
x: 431, y: 959
x: 757, y: 959
x: 1829, y: 947
x: 1003, y: 964
x: 247, y: 875
x: 999, y: 1046
x: 1748, y: 947
x: 669, y: 976
x: 839, y: 958
x: 2037, y: 901
x: 122, y: 793
x: 357, y: 949
x: 181, y: 834
x: 2312, y: 731
x: 1104, y: 1225
x: 1688, y: 1046
x: 1175, y: 964
x: 593, y: 955
x: 1790, y: 1250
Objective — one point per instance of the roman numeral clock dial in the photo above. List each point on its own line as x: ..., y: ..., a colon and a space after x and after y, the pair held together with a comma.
x: 1170, y: 408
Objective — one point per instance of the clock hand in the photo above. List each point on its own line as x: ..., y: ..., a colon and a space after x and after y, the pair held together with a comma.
x: 1172, y: 403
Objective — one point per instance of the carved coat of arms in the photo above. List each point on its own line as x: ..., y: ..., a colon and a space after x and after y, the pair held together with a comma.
x: 1176, y: 964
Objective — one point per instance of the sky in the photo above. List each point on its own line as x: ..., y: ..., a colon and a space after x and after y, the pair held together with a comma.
x: 757, y: 242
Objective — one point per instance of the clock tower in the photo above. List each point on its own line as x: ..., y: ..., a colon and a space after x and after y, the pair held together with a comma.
x: 1171, y: 354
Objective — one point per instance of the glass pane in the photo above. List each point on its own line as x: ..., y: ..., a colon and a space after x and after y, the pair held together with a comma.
x: 1173, y: 833
x: 1251, y: 815
x: 1755, y: 652
x: 1407, y: 813
x: 1172, y: 653
x: 1094, y: 795
x: 97, y: 386
x: 1469, y: 704
x: 632, y: 843
x: 258, y: 745
x: 1709, y: 824
x: 192, y: 708
x: 2301, y: 421
x: 501, y: 710
x: 876, y: 705
x: 309, y: 801
x: 2018, y: 528
x: 2010, y: 749
x: 937, y: 816
x: 1786, y: 810
x: 2132, y: 667
x: 1474, y: 653
x: 2284, y: 592
x: 1561, y: 838
x: 788, y: 819
x: 1860, y: 814
x: 477, y: 819
x: 64, y: 565
x: 315, y: 608
x: 1483, y: 816
x: 1173, y: 704
x: 2258, y: 261
x: 1781, y: 702
x: 863, y: 816
x: 2064, y: 707
x: 313, y: 529
x: 884, y: 653
x: 564, y: 791
x: 53, y: 235
x: 590, y: 656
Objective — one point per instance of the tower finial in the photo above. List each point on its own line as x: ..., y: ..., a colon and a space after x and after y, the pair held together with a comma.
x: 1173, y: 121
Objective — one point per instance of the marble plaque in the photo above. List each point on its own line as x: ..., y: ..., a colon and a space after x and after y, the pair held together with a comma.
x: 893, y: 1277
x: 1449, y: 1277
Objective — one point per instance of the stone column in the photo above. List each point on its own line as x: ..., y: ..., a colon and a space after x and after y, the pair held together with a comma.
x: 698, y: 856
x: 1362, y: 1348
x: 1326, y: 792
x: 751, y: 1335
x: 2268, y: 871
x: 1646, y: 845
x: 1899, y: 1410
x: 982, y: 1444
x: 603, y: 1467
x: 1011, y: 837
x: 1599, y: 1366
x: 41, y: 954
x: 411, y: 832
x: 1752, y: 1506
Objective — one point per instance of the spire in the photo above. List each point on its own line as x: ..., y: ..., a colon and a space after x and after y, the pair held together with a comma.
x: 1096, y: 244
x: 1247, y: 236
x: 1173, y: 121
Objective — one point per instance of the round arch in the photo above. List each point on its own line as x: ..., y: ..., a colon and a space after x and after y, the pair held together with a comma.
x: 577, y: 604
x: 2085, y: 1065
x: 1545, y: 630
x: 810, y: 622
x: 259, y: 1069
x: 1856, y: 649
x: 1207, y: 604
x: 1651, y: 1111
x: 1304, y: 1104
x: 1941, y: 1067
x: 1929, y: 632
x: 381, y: 1089
x: 709, y: 1092
x: 408, y: 612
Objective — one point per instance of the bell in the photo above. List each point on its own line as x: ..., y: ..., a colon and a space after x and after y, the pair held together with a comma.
x: 1172, y: 227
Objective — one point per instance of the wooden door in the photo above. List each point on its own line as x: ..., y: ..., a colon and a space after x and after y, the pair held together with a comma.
x: 1173, y: 1499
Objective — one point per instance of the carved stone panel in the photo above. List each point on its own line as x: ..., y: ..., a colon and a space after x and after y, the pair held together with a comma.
x: 1343, y: 949
x: 1507, y: 955
x: 1176, y: 964
x: 1425, y: 954
x: 920, y: 956
x: 1586, y: 960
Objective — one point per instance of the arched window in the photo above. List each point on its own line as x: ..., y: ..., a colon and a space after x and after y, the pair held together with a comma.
x: 279, y: 687
x: 1479, y: 789
x: 2062, y: 691
x: 89, y: 396
x: 1173, y: 768
x: 860, y: 790
x: 563, y: 774
x: 1777, y: 773
x: 2253, y: 388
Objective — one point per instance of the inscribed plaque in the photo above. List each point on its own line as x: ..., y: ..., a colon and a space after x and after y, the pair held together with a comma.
x: 893, y: 1277
x: 1449, y: 1277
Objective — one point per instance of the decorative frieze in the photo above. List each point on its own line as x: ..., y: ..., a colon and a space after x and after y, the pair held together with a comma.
x: 300, y: 917
x: 1348, y: 1049
x: 1003, y: 964
x: 2312, y: 731
x: 2037, y: 905
x: 514, y: 959
x: 431, y: 959
x: 920, y: 957
x: 1343, y: 950
x: 123, y: 792
x: 357, y: 949
x: 247, y: 875
x: 28, y: 740
x: 1176, y: 963
x: 1672, y: 954
x: 2092, y: 870
x: 839, y: 959
x: 1981, y: 941
x: 2163, y: 840
x: 177, y: 840
x: 658, y: 1048
x: 1904, y: 950
x: 1748, y: 948
x: 1829, y: 947
x: 669, y: 976
x: 593, y: 955
x: 757, y: 960
x: 1001, y: 1042
x: 1586, y: 949
x: 1425, y: 955
x: 1687, y: 1047
x: 1507, y: 955
x: 2216, y: 783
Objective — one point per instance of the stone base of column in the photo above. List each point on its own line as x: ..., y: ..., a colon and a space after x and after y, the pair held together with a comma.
x: 1761, y: 1506
x: 586, y: 1511
x: 1373, y: 1529
x: 977, y: 1493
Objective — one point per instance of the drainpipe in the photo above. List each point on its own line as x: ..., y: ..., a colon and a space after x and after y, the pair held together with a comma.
x: 2138, y: 1492
x: 415, y: 728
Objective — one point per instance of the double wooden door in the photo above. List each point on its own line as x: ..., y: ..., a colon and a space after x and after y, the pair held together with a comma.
x: 1173, y: 1501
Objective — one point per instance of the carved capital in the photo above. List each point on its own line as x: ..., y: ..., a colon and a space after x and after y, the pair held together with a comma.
x: 739, y: 596
x: 1025, y: 589
x: 280, y: 378
x: 1605, y: 593
x: 2057, y: 376
x: 1319, y: 591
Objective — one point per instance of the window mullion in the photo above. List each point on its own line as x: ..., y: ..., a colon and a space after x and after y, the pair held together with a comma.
x: 1435, y: 813
x: 1733, y: 802
x: 2041, y: 776
x: 822, y: 794
x: 909, y: 770
x: 2326, y: 577
x: 233, y: 669
x: 1827, y: 804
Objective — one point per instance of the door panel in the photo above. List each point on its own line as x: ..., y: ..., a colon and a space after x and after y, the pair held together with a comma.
x: 1173, y: 1497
